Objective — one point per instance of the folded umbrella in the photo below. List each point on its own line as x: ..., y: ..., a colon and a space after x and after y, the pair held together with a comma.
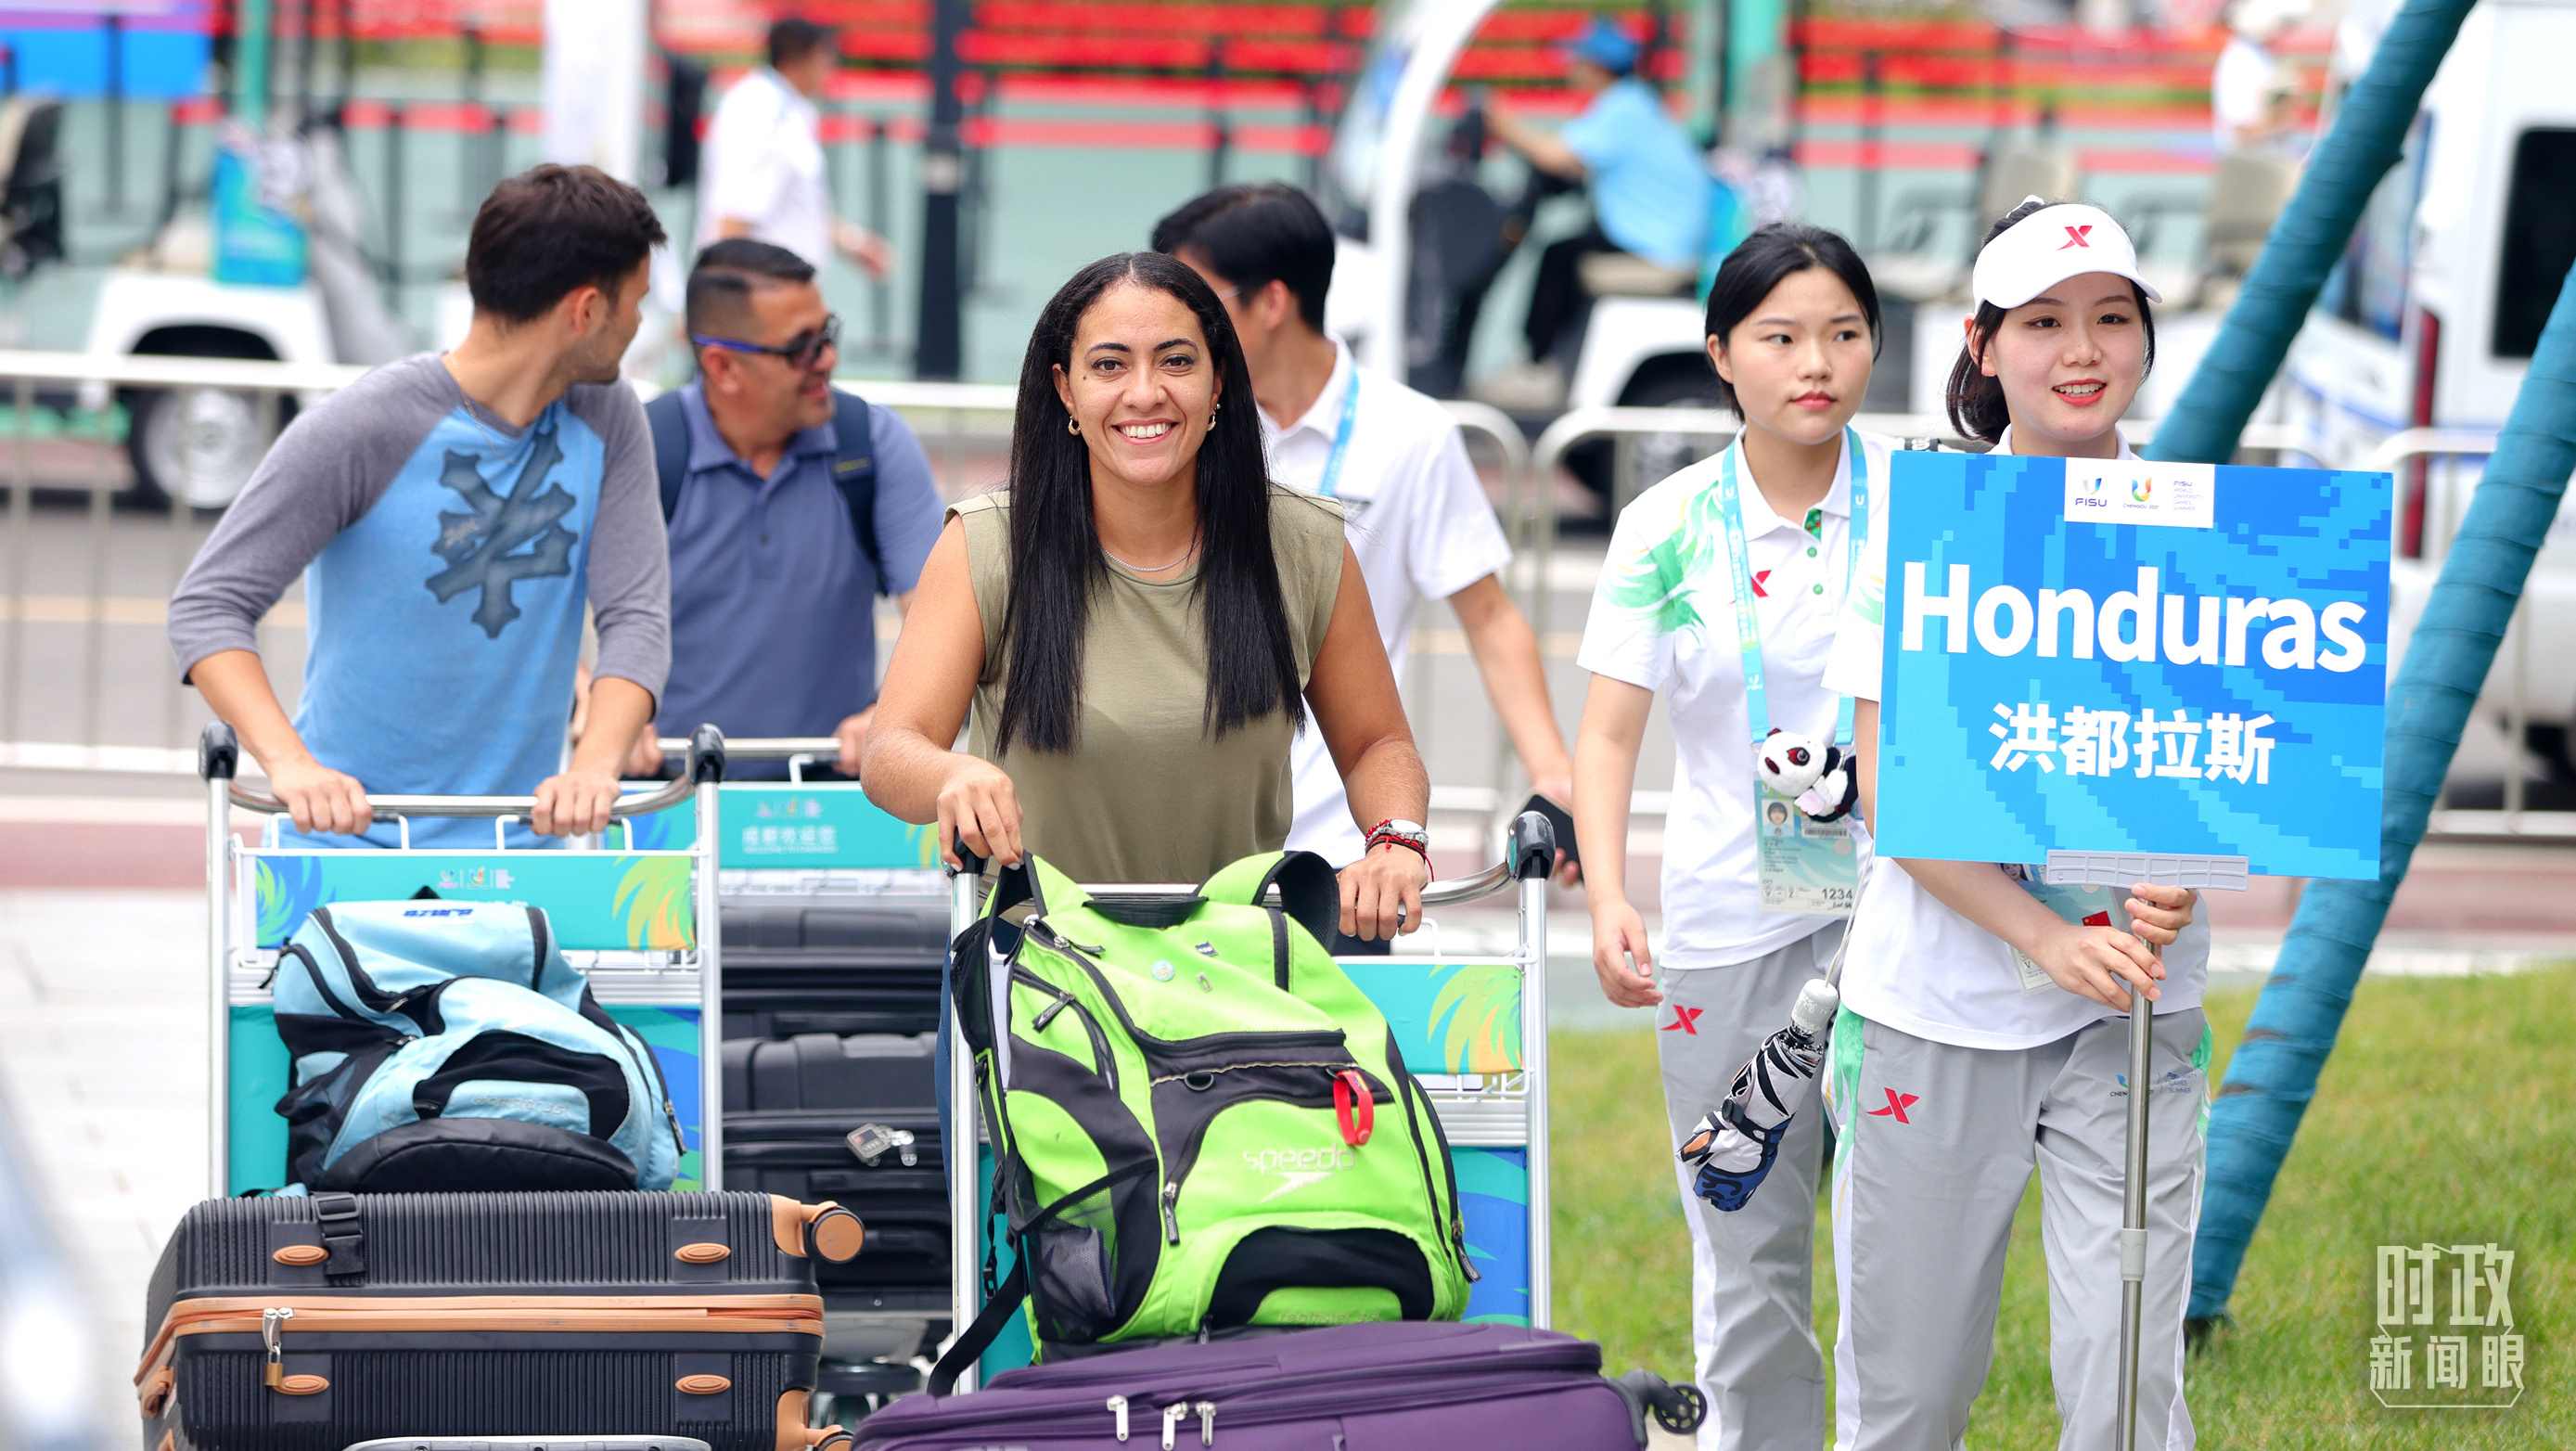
x: 1735, y: 1143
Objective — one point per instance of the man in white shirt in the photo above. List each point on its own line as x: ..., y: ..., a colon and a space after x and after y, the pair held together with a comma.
x: 2250, y: 89
x: 764, y: 175
x: 1416, y: 513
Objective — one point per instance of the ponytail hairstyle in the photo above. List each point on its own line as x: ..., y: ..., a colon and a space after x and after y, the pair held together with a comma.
x: 1976, y: 401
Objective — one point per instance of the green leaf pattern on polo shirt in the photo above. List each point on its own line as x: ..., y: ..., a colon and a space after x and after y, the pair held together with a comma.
x: 1867, y: 601
x: 1661, y: 583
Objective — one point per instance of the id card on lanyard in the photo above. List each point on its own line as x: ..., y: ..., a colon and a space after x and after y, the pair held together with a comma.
x: 1803, y: 865
x: 1329, y: 484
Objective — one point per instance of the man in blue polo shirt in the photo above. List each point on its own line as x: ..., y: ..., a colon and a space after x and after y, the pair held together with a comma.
x: 791, y: 507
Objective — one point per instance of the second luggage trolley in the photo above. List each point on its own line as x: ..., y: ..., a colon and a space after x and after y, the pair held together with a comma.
x: 646, y: 916
x: 833, y: 915
x: 1473, y: 1032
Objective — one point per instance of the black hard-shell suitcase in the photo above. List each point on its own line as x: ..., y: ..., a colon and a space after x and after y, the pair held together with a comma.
x: 309, y: 1324
x: 905, y: 1206
x: 832, y: 965
x: 792, y: 1106
x: 894, y: 926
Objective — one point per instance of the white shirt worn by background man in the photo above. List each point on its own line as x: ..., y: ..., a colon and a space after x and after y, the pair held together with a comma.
x: 1420, y: 524
x: 1679, y: 641
x: 763, y: 165
x: 2241, y: 89
x: 1912, y: 963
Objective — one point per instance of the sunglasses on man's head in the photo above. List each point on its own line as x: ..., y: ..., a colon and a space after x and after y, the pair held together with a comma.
x: 801, y: 351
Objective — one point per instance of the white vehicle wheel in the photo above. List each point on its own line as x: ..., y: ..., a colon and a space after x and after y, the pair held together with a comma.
x: 200, y: 445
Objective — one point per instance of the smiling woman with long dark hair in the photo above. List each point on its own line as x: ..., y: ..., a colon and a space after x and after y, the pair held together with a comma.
x: 1141, y: 623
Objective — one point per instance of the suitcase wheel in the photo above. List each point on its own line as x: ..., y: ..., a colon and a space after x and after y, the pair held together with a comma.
x: 1680, y: 1409
x: 836, y: 1233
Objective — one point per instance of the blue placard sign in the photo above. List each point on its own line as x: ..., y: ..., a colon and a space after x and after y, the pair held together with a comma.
x: 2099, y: 656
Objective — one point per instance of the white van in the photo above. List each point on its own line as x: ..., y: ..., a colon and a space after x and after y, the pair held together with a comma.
x: 2430, y: 319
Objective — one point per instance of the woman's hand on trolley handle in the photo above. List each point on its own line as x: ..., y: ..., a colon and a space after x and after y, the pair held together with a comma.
x: 1382, y: 893
x: 978, y: 804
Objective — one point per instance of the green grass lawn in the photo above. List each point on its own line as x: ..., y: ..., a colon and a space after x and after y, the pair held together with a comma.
x: 2448, y: 1116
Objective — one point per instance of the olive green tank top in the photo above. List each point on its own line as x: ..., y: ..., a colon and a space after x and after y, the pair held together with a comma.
x: 1145, y: 795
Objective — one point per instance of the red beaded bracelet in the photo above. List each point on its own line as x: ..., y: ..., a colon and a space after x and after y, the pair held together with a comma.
x: 1382, y: 837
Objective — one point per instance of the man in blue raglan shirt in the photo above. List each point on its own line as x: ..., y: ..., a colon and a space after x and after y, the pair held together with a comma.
x: 453, y: 516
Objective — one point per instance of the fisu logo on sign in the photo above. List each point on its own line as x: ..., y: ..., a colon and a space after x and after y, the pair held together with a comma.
x: 2131, y: 491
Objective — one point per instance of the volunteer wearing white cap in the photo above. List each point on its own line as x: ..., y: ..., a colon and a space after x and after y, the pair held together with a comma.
x: 1720, y: 593
x: 1982, y: 1031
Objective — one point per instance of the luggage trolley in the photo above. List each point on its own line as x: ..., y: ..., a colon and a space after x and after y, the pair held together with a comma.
x: 645, y: 914
x: 807, y: 869
x: 1473, y: 1031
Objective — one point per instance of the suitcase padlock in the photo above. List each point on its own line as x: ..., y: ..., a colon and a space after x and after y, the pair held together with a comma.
x: 871, y: 1141
x: 272, y: 1324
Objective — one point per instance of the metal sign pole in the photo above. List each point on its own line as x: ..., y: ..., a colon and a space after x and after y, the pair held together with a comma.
x: 2118, y: 870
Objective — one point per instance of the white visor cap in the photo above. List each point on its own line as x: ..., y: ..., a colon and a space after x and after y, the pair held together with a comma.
x: 2050, y: 245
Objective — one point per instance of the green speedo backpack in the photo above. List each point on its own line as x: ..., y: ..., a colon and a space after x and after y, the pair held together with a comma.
x: 1200, y: 1121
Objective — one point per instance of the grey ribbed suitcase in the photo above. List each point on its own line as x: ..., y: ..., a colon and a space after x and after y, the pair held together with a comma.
x: 309, y: 1324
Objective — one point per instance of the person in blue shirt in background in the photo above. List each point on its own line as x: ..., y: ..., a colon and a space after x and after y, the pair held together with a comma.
x: 791, y: 505
x: 1650, y: 188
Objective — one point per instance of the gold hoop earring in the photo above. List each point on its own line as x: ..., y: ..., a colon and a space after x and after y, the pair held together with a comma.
x: 1073, y: 428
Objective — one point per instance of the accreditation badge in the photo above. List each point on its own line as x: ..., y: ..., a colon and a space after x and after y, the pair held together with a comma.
x: 1804, y: 865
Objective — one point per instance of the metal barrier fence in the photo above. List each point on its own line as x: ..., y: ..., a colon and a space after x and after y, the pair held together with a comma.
x: 84, y: 683
x: 107, y: 571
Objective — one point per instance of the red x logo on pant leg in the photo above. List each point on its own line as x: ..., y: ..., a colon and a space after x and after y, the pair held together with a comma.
x: 1897, y: 1104
x: 1686, y: 1019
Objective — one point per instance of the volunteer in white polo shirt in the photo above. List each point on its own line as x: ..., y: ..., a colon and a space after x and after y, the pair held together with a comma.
x: 763, y: 175
x: 1982, y: 1030
x: 1416, y: 513
x: 1720, y: 593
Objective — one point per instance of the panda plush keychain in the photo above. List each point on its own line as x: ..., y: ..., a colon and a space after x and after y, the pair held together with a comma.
x: 1818, y: 779
x: 1735, y: 1143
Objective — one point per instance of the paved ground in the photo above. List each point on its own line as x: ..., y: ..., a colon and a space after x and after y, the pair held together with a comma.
x: 103, y: 1006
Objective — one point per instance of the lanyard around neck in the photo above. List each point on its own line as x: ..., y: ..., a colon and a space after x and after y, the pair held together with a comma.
x: 1341, y: 436
x: 1748, y: 627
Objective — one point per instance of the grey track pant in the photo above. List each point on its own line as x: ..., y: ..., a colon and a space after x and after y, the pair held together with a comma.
x: 1936, y: 1144
x: 1752, y: 1318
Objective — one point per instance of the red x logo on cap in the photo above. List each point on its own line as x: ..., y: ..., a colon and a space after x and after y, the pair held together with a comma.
x: 2075, y: 237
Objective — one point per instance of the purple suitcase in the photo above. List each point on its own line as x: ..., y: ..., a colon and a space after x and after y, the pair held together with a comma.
x: 1400, y: 1386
